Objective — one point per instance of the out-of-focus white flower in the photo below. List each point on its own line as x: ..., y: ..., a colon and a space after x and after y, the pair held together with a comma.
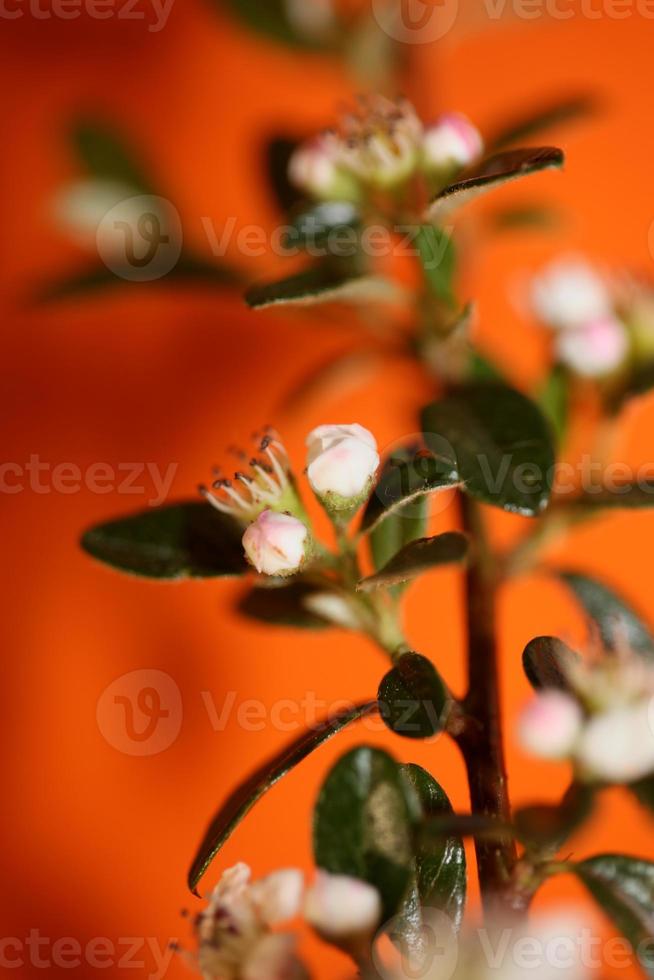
x: 550, y: 725
x: 451, y: 142
x: 314, y: 168
x: 341, y: 463
x: 314, y: 19
x: 340, y: 907
x: 617, y: 746
x: 594, y: 349
x: 266, y: 483
x: 380, y: 142
x: 334, y: 608
x: 80, y: 207
x: 276, y: 544
x: 570, y: 293
x: 235, y: 942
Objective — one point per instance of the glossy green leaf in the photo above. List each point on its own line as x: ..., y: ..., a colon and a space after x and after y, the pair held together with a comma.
x: 413, y: 700
x: 282, y: 605
x: 501, y: 442
x: 533, y: 123
x: 623, y: 887
x: 105, y: 155
x: 438, y: 260
x: 186, y: 540
x: 243, y: 798
x: 405, y: 524
x: 440, y: 877
x: 548, y: 826
x: 417, y: 557
x: 320, y: 284
x: 321, y: 225
x: 618, y: 623
x: 363, y: 824
x: 492, y: 173
x: 405, y: 479
x: 547, y: 661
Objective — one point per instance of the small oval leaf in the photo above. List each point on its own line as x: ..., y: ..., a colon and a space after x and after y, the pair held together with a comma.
x: 320, y: 284
x: 413, y: 699
x: 418, y: 557
x: 618, y: 622
x: 406, y: 477
x: 547, y: 661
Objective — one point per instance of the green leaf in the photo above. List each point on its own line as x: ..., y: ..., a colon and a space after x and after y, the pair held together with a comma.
x: 324, y: 224
x: 243, y: 798
x: 501, y: 442
x: 554, y: 399
x: 272, y: 21
x: 623, y: 887
x: 643, y: 790
x: 439, y: 880
x: 363, y: 824
x: 618, y: 623
x: 481, y: 369
x: 418, y: 557
x: 105, y: 156
x: 320, y: 284
x: 282, y: 605
x: 551, y: 826
x: 277, y: 157
x: 547, y: 661
x: 186, y: 540
x: 405, y: 524
x: 491, y: 173
x: 524, y: 127
x: 406, y: 477
x: 413, y: 700
x: 438, y: 259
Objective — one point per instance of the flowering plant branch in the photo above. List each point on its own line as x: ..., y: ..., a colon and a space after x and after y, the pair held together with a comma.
x: 387, y: 843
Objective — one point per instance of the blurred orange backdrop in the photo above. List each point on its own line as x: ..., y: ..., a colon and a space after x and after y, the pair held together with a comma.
x: 97, y: 843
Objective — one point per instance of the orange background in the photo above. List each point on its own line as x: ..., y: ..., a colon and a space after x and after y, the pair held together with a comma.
x: 98, y: 843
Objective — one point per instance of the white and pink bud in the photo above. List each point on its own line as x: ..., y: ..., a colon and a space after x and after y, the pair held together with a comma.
x: 342, y: 908
x: 594, y: 349
x: 278, y: 896
x: 276, y: 544
x: 342, y: 461
x: 570, y: 293
x: 617, y: 746
x: 550, y: 725
x: 451, y: 143
x: 314, y: 168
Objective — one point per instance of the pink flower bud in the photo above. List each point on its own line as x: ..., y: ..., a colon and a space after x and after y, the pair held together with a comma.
x: 342, y: 461
x: 276, y: 544
x: 451, y: 142
x: 594, y: 349
x: 569, y: 293
x: 617, y: 746
x: 550, y: 725
x: 340, y: 907
x: 278, y: 896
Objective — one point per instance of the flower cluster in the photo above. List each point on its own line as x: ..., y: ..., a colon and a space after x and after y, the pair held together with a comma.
x: 605, y: 724
x: 600, y: 321
x: 235, y: 933
x: 342, y: 461
x: 382, y: 145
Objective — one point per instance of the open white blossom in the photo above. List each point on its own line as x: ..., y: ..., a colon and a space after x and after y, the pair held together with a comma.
x: 595, y: 348
x: 550, y: 725
x: 340, y: 907
x: 569, y: 293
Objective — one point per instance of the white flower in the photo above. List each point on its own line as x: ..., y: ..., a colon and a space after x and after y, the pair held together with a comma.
x: 342, y: 461
x: 380, y: 142
x: 267, y: 483
x: 81, y: 206
x: 235, y: 942
x: 617, y: 746
x: 339, y: 907
x: 276, y: 544
x: 595, y: 348
x: 334, y: 608
x: 550, y: 725
x: 314, y: 19
x: 569, y: 293
x: 314, y: 168
x: 451, y: 142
